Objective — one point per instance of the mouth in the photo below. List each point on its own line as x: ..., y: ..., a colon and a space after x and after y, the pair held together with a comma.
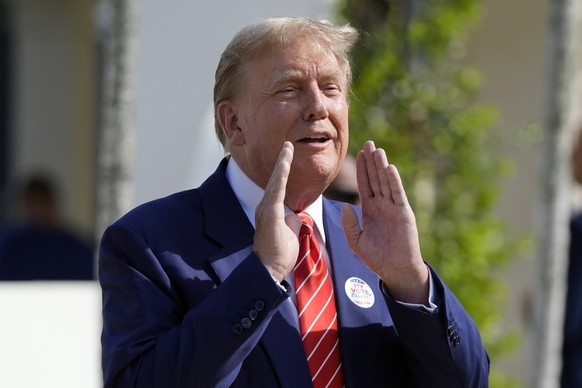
x: 314, y: 139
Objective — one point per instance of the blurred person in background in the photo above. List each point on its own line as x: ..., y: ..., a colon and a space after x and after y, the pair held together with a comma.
x: 37, y: 246
x: 572, y: 348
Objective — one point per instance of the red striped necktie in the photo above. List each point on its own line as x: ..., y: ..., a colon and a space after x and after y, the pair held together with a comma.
x: 317, y: 312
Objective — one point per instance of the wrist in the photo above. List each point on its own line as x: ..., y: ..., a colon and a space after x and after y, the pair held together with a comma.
x: 410, y: 288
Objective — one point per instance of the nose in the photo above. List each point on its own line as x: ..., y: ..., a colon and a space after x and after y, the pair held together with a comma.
x: 315, y: 107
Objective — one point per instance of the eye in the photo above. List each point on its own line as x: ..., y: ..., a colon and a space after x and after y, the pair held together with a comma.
x: 331, y: 89
x: 287, y: 90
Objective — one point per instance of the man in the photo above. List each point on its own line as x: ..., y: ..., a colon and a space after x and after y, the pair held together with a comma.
x: 205, y: 288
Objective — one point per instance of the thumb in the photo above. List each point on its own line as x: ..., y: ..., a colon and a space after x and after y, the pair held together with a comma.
x: 351, y: 225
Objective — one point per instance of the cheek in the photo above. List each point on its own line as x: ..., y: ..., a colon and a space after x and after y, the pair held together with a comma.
x: 343, y: 134
x: 339, y: 111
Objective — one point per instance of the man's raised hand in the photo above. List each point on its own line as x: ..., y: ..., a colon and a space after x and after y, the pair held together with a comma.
x: 275, y: 240
x: 387, y: 241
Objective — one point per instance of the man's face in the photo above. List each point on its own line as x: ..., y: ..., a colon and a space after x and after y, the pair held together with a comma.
x: 299, y: 94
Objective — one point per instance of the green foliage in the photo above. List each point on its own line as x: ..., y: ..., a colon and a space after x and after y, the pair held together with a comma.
x: 414, y: 99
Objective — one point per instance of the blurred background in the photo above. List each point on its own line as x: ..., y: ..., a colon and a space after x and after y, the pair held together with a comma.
x: 111, y: 102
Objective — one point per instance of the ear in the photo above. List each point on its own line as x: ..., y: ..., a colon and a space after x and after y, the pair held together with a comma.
x: 228, y: 120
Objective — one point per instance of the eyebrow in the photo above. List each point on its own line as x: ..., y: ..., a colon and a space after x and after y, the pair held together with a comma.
x: 285, y: 77
x: 294, y: 75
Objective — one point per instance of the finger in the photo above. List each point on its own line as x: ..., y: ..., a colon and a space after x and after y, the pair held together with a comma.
x: 275, y: 190
x: 398, y: 193
x: 351, y: 225
x: 362, y: 176
x: 371, y: 169
x: 383, y: 176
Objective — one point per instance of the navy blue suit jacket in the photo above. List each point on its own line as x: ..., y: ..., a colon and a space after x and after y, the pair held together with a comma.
x: 181, y: 285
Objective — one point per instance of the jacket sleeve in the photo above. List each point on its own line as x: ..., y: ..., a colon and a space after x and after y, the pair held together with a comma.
x: 444, y: 348
x: 148, y: 340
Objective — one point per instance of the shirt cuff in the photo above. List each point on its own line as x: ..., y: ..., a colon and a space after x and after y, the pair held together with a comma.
x: 432, y: 298
x: 284, y: 286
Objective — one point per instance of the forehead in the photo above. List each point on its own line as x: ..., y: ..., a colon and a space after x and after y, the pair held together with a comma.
x: 295, y: 60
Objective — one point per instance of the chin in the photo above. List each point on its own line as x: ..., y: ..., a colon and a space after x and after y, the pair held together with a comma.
x: 319, y: 165
x: 311, y: 181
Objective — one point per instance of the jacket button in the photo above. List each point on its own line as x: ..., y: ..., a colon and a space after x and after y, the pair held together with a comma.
x: 456, y: 341
x: 259, y: 305
x: 246, y: 323
x: 253, y: 314
x: 237, y: 329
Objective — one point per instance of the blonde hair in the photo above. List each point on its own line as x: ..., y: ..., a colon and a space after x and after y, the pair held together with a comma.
x: 253, y: 39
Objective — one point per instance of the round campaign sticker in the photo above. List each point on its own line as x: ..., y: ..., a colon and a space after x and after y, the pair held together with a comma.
x: 359, y: 292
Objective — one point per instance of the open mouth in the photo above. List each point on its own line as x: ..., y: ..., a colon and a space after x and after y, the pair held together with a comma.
x: 314, y: 139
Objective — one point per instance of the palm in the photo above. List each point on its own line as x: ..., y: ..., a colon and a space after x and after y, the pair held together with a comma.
x: 388, y: 233
x: 387, y: 242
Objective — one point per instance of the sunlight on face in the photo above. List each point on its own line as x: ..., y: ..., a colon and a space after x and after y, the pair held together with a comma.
x: 296, y: 93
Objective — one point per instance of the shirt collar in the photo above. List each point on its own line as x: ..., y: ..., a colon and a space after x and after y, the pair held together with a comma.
x: 249, y: 195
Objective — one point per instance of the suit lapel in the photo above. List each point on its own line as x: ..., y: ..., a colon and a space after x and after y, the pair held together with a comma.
x: 346, y: 266
x: 355, y: 320
x: 225, y: 223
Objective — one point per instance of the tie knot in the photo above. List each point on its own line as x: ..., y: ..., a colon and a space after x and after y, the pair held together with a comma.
x: 307, y: 223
